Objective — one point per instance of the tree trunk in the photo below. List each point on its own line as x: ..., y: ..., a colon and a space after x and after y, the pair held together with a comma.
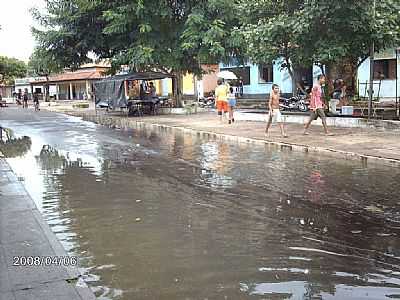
x: 46, y: 88
x: 177, y: 86
x: 295, y: 80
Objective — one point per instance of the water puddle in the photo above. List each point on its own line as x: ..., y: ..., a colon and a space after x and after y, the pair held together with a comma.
x: 158, y: 215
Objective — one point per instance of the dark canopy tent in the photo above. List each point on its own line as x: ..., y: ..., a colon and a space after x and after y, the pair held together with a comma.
x: 110, y: 91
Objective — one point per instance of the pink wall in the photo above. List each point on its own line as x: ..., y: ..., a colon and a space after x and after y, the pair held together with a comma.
x: 210, y: 79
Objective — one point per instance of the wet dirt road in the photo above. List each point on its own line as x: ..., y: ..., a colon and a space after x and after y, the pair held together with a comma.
x: 164, y: 215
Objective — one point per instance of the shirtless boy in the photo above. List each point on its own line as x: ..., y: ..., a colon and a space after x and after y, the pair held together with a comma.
x: 274, y: 114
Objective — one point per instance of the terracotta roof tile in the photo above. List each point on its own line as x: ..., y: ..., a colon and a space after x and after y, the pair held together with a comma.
x: 74, y: 76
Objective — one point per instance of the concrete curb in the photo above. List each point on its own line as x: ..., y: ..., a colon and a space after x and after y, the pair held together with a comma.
x: 128, y: 123
x: 336, y: 121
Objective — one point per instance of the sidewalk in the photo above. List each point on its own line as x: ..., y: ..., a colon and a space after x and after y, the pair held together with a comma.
x: 23, y: 234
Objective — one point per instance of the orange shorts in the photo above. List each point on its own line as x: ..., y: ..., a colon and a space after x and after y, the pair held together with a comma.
x: 222, y: 106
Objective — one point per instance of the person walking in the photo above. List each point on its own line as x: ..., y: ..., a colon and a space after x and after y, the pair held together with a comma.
x: 231, y: 104
x: 221, y: 98
x: 317, y: 105
x: 36, y: 101
x: 241, y: 87
x: 19, y: 98
x: 25, y: 100
x: 274, y: 114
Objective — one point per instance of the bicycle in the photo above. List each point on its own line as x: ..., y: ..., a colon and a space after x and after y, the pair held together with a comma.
x: 36, y: 106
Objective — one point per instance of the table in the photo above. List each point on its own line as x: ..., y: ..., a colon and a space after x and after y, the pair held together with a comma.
x: 141, y: 107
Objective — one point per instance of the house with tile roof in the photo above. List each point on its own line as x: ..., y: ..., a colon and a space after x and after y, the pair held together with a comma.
x: 74, y: 85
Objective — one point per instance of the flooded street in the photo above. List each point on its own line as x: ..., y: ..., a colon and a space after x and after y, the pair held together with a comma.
x: 166, y: 215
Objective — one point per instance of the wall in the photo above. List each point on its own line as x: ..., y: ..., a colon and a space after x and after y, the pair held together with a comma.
x: 6, y: 92
x: 280, y: 77
x: 208, y: 82
x: 188, y: 84
x: 63, y: 91
x: 388, y: 86
x: 166, y: 87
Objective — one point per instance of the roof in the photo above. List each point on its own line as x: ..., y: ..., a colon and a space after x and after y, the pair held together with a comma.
x: 100, y: 64
x: 138, y: 76
x: 74, y: 76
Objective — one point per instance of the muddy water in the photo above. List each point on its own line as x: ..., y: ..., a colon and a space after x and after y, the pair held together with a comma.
x: 162, y: 215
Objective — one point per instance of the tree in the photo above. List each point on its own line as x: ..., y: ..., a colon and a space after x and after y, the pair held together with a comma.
x: 346, y: 31
x: 324, y: 32
x: 158, y: 34
x: 11, y: 68
x: 274, y: 32
x: 41, y: 63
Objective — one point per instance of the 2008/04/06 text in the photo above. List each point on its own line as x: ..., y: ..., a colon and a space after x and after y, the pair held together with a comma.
x: 45, y: 261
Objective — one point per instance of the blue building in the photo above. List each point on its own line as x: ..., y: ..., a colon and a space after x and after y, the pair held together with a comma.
x: 258, y: 79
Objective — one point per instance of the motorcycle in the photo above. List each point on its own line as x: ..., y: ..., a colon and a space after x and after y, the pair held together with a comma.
x: 297, y: 102
x: 208, y: 102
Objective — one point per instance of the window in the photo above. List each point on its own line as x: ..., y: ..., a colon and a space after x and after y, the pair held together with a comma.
x: 266, y: 73
x: 243, y: 72
x: 384, y: 69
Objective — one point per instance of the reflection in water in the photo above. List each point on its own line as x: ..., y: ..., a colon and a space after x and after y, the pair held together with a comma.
x: 155, y: 215
x: 216, y: 162
x: 12, y: 146
x: 49, y: 159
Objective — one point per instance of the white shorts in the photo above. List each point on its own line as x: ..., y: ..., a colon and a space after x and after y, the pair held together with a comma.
x: 276, y: 116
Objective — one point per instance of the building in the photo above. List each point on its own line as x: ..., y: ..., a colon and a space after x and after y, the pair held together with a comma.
x: 202, y: 86
x: 258, y: 79
x: 191, y: 84
x: 6, y: 91
x: 386, y: 74
x: 25, y: 85
x: 76, y: 85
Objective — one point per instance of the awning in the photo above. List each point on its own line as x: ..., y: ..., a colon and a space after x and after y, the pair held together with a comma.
x: 110, y: 91
x: 138, y: 76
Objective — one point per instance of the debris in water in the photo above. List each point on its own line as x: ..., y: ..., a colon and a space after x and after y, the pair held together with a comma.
x: 373, y: 208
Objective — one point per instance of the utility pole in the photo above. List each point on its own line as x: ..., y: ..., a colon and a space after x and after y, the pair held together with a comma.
x: 371, y: 70
x: 397, y: 75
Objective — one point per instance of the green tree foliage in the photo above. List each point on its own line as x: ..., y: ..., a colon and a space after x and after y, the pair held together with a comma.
x: 346, y: 30
x: 325, y: 32
x: 43, y: 63
x: 169, y: 35
x: 273, y: 31
x: 11, y: 68
x: 209, y: 33
x: 178, y: 35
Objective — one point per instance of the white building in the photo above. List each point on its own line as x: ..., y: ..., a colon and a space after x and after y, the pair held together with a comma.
x: 386, y: 74
x: 25, y: 85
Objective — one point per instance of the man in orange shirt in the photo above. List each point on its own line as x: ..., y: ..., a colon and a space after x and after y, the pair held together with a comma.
x: 221, y: 98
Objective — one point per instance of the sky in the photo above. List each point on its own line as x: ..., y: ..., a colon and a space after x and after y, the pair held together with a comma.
x: 16, y: 39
